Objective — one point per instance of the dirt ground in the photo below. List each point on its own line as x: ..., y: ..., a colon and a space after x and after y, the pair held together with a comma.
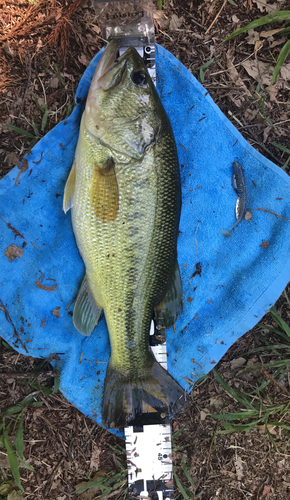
x: 45, y: 48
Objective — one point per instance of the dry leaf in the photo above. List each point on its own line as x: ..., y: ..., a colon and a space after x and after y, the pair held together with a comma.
x: 285, y: 71
x: 277, y: 42
x: 97, y: 29
x: 237, y: 363
x: 281, y: 464
x: 265, y: 244
x: 56, y: 311
x: 258, y: 46
x: 161, y: 19
x: 83, y: 59
x: 266, y: 34
x: 234, y: 75
x: 267, y: 491
x: 253, y: 37
x: 272, y: 90
x: 239, y: 468
x: 203, y: 415
x: 248, y: 215
x: 13, y: 252
x: 266, y: 133
x: 259, y: 70
x: 54, y: 82
x: 235, y: 19
x: 175, y: 22
x: 12, y: 159
x: 263, y: 6
x: 95, y: 458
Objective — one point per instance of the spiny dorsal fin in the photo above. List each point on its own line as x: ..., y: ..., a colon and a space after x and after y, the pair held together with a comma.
x: 68, y: 197
x: 104, y: 191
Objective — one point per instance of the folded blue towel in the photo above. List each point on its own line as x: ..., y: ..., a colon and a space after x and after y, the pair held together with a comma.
x: 238, y: 278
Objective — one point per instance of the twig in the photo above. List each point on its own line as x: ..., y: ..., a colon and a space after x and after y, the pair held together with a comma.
x: 53, y: 473
x: 192, y: 18
x: 273, y: 213
x: 216, y: 17
x: 27, y: 86
x: 270, y: 377
x: 15, y: 334
x: 66, y: 309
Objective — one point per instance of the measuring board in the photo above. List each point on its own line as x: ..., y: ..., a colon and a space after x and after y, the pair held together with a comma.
x: 148, y: 450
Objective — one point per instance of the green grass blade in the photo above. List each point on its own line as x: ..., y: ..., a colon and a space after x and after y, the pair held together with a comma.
x: 44, y: 120
x: 13, y: 463
x: 232, y: 2
x: 286, y: 163
x: 240, y: 398
x: 26, y: 465
x: 279, y: 424
x: 160, y: 4
x: 94, y: 482
x: 180, y: 487
x: 279, y: 16
x: 284, y: 32
x: 207, y: 64
x: 19, y: 443
x: 19, y: 130
x: 280, y: 322
x: 56, y: 384
x: 37, y: 103
x: 240, y: 427
x: 178, y: 432
x: 35, y: 129
x: 279, y: 146
x: 280, y: 61
x: 189, y: 478
x: 235, y: 416
x: 271, y: 329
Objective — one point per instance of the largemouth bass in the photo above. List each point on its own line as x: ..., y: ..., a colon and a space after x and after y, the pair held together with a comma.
x: 125, y: 195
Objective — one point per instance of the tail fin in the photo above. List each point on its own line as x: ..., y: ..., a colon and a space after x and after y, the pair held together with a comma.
x: 125, y: 399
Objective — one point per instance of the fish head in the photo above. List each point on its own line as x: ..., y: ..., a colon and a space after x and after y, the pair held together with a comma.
x: 123, y: 109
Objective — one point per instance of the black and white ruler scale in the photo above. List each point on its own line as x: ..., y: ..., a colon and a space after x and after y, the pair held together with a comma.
x: 148, y: 440
x: 148, y: 445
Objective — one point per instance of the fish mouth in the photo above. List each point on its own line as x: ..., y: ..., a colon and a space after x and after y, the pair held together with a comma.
x: 110, y: 68
x: 108, y: 59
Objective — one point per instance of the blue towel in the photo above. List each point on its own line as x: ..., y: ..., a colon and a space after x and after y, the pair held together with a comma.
x: 239, y: 278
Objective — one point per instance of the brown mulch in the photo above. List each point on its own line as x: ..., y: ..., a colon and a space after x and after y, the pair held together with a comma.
x: 45, y: 47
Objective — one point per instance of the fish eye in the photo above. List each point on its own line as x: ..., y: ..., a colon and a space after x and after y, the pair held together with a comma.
x: 139, y: 78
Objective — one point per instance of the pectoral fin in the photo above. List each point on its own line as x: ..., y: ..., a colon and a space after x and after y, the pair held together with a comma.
x: 167, y: 311
x: 86, y: 310
x: 68, y: 197
x: 104, y: 191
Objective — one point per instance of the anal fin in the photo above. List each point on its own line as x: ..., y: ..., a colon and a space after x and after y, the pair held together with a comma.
x: 86, y: 311
x: 167, y: 310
